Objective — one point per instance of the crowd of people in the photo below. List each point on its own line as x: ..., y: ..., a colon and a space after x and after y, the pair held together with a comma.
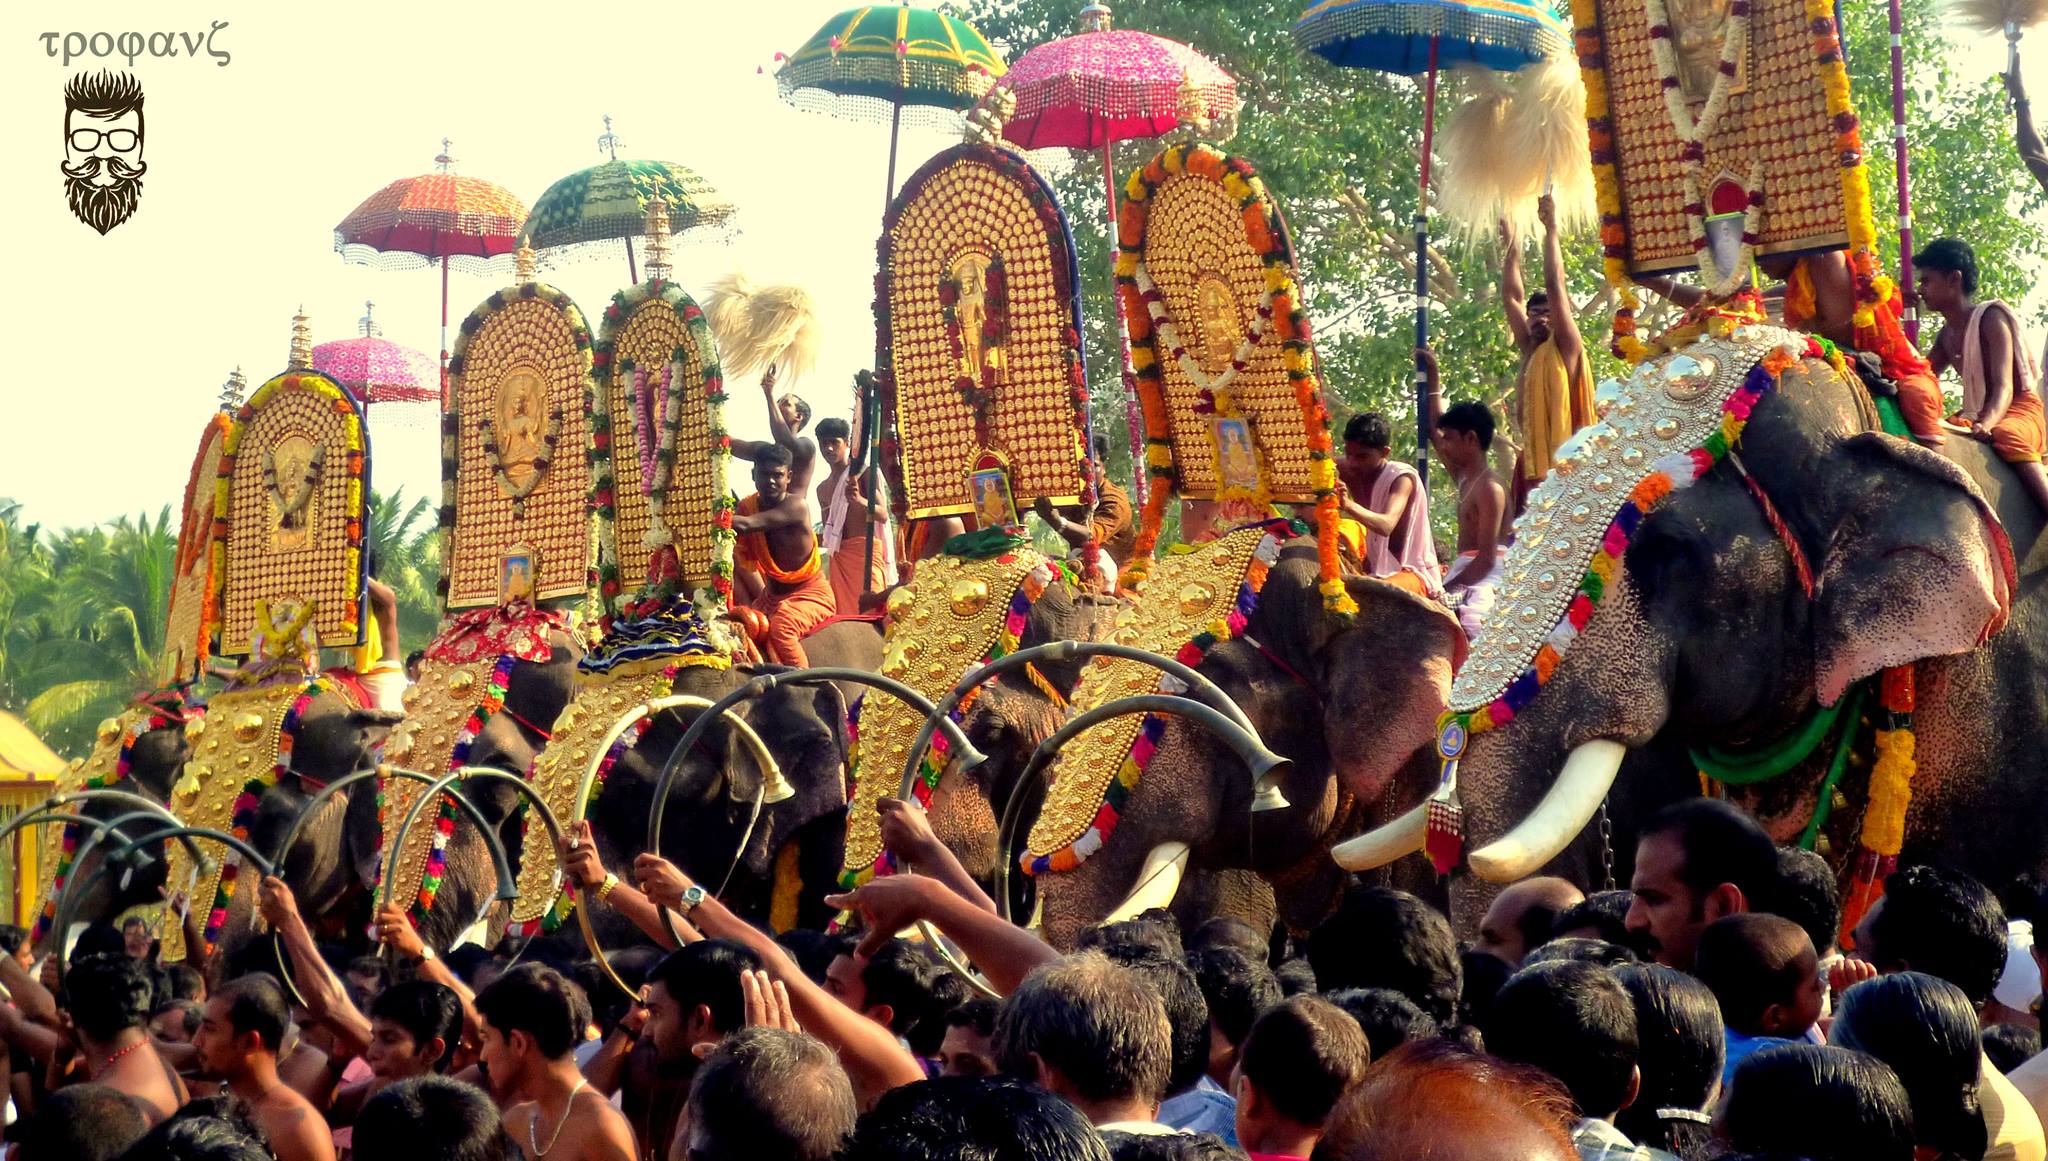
x: 1708, y: 1010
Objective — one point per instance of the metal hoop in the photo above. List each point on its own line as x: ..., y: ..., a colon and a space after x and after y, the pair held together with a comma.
x: 507, y: 882
x: 1247, y: 744
x: 51, y: 803
x: 239, y: 846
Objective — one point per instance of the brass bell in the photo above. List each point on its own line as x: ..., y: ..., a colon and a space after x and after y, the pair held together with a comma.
x: 248, y: 727
x: 109, y: 731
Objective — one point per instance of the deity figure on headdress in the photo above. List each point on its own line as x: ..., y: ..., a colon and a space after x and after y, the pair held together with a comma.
x: 1222, y: 325
x: 1699, y: 31
x: 522, y: 424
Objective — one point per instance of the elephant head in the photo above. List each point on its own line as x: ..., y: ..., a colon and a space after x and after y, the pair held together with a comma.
x: 1351, y: 705
x: 1707, y: 634
x: 156, y: 755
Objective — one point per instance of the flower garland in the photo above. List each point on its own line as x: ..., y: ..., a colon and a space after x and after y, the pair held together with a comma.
x: 1266, y: 235
x: 1872, y: 285
x: 356, y: 462
x: 1891, y: 794
x: 517, y: 493
x: 599, y: 452
x: 1216, y: 389
x: 1190, y: 654
x: 1734, y: 41
x: 160, y: 712
x: 979, y: 394
x: 487, y: 707
x: 1591, y: 48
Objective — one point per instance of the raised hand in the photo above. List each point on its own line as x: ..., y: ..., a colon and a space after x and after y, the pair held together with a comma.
x: 579, y: 857
x: 275, y: 903
x: 887, y: 905
x: 905, y: 829
x: 660, y: 880
x: 395, y: 929
x: 767, y: 1002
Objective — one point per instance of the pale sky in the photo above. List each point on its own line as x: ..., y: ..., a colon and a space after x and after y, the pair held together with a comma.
x: 119, y: 344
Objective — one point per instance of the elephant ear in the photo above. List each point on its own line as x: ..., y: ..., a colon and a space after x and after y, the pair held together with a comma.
x: 1917, y: 566
x: 1392, y: 668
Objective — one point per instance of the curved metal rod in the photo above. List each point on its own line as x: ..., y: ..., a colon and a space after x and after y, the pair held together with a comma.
x: 1201, y: 689
x: 508, y: 883
x: 548, y: 820
x: 65, y: 902
x: 755, y: 687
x: 114, y: 824
x: 101, y: 795
x: 1247, y: 744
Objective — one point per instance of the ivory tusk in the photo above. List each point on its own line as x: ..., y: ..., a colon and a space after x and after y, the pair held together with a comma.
x: 1385, y: 843
x: 1569, y: 805
x: 1157, y: 882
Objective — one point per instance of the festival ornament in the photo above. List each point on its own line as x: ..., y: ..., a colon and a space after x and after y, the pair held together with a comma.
x: 375, y: 368
x: 2011, y: 17
x: 762, y: 328
x: 583, y: 212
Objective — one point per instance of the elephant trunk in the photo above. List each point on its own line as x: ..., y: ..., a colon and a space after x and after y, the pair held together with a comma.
x: 1567, y: 807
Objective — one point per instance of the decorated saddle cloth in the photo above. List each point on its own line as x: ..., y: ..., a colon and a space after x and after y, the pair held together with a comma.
x: 1195, y: 597
x: 957, y: 613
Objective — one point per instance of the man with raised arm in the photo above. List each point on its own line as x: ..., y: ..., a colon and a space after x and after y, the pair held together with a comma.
x: 786, y: 419
x: 1554, y: 392
x: 1462, y: 434
x: 858, y: 565
x: 781, y: 573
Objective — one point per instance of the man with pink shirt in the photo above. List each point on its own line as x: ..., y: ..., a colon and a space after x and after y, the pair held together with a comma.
x: 1386, y: 498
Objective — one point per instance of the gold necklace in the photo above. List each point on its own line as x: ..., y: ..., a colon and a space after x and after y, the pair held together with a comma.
x: 532, y: 1126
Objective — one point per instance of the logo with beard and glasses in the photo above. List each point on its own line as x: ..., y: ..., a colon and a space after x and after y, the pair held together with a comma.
x: 103, y: 164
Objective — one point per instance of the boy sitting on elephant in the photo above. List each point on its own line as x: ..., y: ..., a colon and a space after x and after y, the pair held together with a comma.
x: 1981, y: 340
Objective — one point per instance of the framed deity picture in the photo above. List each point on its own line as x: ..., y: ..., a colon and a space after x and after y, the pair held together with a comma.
x: 994, y: 506
x: 1237, y: 457
x: 515, y: 575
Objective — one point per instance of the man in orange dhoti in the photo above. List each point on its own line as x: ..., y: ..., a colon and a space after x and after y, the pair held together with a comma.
x: 1554, y: 394
x: 780, y: 571
x: 846, y: 527
x: 1981, y: 340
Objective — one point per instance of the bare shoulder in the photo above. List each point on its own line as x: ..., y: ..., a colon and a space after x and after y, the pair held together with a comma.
x: 602, y: 1132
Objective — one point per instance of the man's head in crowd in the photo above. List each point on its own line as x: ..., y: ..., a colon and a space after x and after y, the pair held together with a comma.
x: 1679, y: 1053
x: 1236, y: 987
x: 1938, y: 921
x: 694, y: 998
x: 85, y: 1122
x: 1186, y: 1011
x: 1763, y: 972
x: 1925, y: 1030
x: 1092, y: 1032
x: 1601, y: 915
x: 1524, y: 916
x: 106, y: 994
x: 832, y: 436
x: 14, y: 941
x: 1806, y: 894
x: 1505, y: 1112
x: 1388, y: 1018
x: 1383, y: 938
x: 769, y: 1095
x: 369, y: 973
x: 1574, y: 1021
x: 135, y: 938
x: 893, y: 987
x: 969, y: 1045
x: 1301, y: 1056
x: 974, y: 1119
x: 532, y: 1016
x: 1697, y: 860
x: 1571, y: 947
x: 208, y: 1129
x: 183, y: 982
x: 431, y: 1118
x: 243, y: 1027
x: 177, y: 1022
x: 1235, y: 934
x: 1153, y: 929
x: 1820, y: 1104
x: 414, y: 1028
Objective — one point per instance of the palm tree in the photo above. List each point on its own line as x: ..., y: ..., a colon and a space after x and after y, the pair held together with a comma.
x: 405, y: 546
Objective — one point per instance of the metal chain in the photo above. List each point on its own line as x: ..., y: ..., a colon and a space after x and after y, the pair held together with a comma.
x: 1606, y: 848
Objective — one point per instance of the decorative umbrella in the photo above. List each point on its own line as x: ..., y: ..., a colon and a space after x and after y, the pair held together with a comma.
x: 465, y: 222
x: 375, y: 368
x: 608, y: 202
x: 1411, y: 37
x: 1094, y: 89
x: 880, y: 58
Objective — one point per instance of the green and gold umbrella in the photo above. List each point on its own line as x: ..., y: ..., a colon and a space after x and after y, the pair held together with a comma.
x: 608, y: 202
x: 889, y: 60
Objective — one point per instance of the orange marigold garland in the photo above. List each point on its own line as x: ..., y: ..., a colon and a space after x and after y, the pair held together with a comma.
x: 1872, y: 286
x: 1890, y: 796
x: 1592, y: 52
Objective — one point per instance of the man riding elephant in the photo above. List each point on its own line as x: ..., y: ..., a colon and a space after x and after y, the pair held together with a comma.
x: 780, y: 575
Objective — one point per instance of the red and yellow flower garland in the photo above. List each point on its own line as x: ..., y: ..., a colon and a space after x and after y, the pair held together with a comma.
x: 1872, y: 285
x: 1890, y: 796
x: 1267, y: 238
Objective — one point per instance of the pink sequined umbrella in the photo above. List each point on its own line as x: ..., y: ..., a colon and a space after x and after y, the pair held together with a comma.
x: 1094, y: 89
x: 377, y: 369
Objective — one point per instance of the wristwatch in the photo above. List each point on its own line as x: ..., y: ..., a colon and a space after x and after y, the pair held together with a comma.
x: 426, y: 953
x: 604, y: 889
x: 692, y: 896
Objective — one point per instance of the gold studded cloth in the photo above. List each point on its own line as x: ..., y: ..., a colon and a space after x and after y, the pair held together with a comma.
x: 515, y: 462
x: 1187, y: 594
x: 98, y: 769
x: 437, y: 707
x: 557, y: 775
x: 188, y: 628
x: 954, y: 614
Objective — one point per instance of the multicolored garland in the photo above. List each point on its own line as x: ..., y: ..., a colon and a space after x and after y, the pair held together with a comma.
x: 1267, y: 237
x: 1191, y: 655
x: 246, y: 803
x: 190, y: 545
x: 350, y: 409
x: 1872, y: 284
x: 1890, y: 795
x: 487, y: 707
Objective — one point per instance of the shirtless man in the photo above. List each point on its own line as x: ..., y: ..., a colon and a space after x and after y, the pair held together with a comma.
x: 1554, y: 389
x: 1461, y: 435
x: 238, y: 1042
x: 844, y: 494
x: 1981, y: 342
x: 107, y: 998
x: 782, y: 574
x: 786, y: 419
x: 1109, y: 523
x: 533, y: 1018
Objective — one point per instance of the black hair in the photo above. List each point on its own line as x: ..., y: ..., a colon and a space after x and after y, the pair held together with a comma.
x: 1572, y: 1020
x: 1471, y: 416
x: 431, y: 1118
x: 1719, y: 844
x: 768, y: 1093
x: 1098, y: 1024
x: 1953, y: 256
x: 466, y: 959
x: 1926, y: 1030
x: 2010, y: 1045
x: 1750, y: 962
x: 608, y: 1004
x: 1942, y: 922
x: 833, y: 428
x: 1818, y: 1104
x: 540, y: 1002
x: 803, y: 409
x: 1536, y: 299
x: 1680, y: 1049
x: 978, y: 1013
x: 707, y: 972
x: 11, y: 938
x: 772, y: 455
x: 1371, y: 429
x: 256, y: 1003
x: 1168, y: 1147
x: 1304, y: 1054
x: 106, y: 993
x: 1186, y: 1010
x: 1573, y: 947
x: 99, y: 938
x: 201, y: 1138
x: 104, y: 93
x: 370, y: 965
x: 1604, y: 911
x: 190, y: 1014
x: 1296, y: 976
x: 1388, y: 1018
x: 85, y: 1122
x: 1806, y: 894
x: 905, y: 975
x: 134, y: 921
x: 1383, y: 938
x: 1231, y: 932
x: 1236, y: 988
x: 1484, y: 975
x: 1154, y: 929
x: 427, y: 1011
x: 974, y: 1118
x: 814, y: 951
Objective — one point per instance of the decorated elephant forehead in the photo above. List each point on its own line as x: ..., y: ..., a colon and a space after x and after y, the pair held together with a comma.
x: 1659, y: 430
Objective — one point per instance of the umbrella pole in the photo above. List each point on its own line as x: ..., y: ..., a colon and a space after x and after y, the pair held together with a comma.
x: 444, y: 333
x: 632, y: 274
x: 1422, y: 271
x: 1140, y: 484
x: 871, y: 430
x: 1899, y: 156
x: 895, y: 126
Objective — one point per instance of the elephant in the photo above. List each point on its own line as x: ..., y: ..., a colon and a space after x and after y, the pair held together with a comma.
x: 1316, y: 689
x: 1707, y: 636
x: 154, y: 760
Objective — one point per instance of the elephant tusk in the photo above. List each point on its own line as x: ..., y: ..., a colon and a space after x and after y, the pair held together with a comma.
x: 1157, y: 882
x: 1384, y: 844
x: 1573, y: 799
